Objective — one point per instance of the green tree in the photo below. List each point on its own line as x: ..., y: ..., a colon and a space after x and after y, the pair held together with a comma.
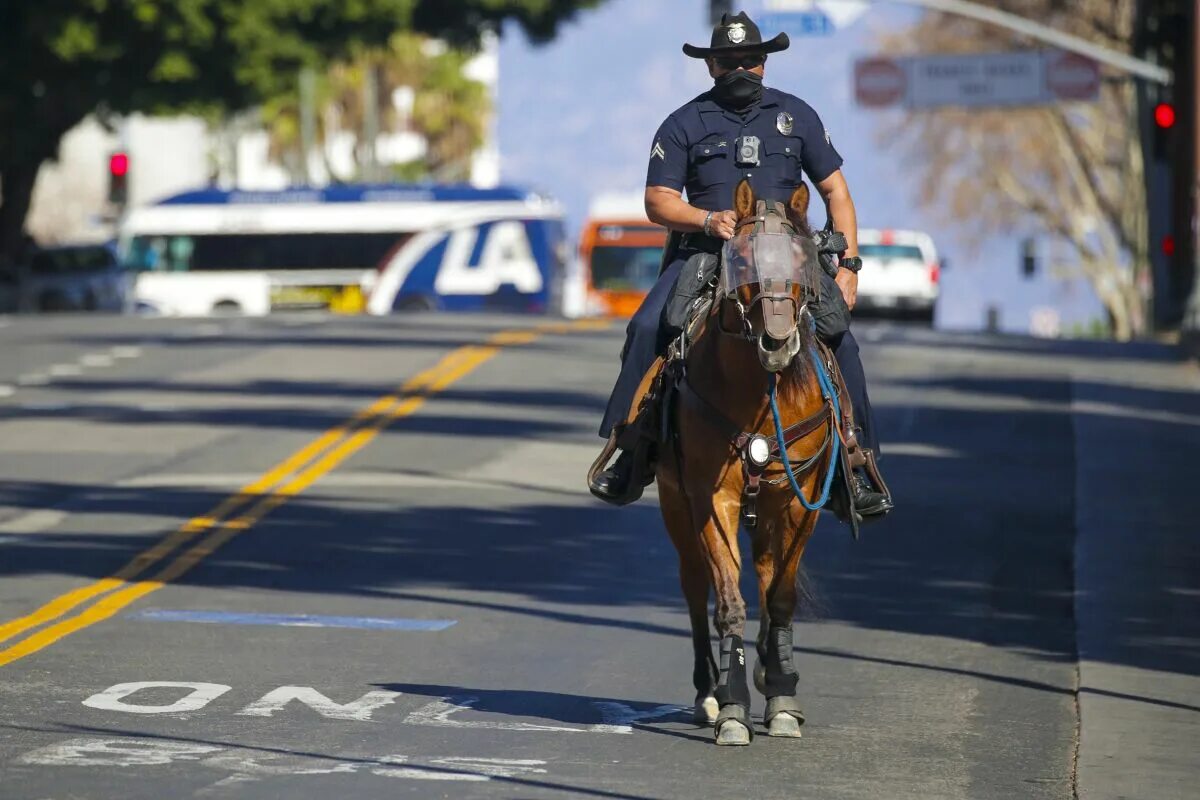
x: 449, y: 109
x: 61, y: 60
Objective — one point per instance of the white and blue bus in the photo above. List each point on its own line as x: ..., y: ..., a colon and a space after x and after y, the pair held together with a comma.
x: 378, y: 248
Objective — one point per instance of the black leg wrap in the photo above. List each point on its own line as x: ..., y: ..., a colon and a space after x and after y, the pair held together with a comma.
x: 781, y: 677
x: 731, y: 687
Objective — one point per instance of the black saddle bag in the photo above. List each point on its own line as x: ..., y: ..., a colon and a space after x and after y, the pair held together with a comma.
x: 830, y: 313
x: 693, y: 281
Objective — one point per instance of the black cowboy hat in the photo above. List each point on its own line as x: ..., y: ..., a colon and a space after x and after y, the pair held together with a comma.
x: 737, y: 32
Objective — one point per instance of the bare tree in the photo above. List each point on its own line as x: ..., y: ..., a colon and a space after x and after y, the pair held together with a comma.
x: 1073, y: 169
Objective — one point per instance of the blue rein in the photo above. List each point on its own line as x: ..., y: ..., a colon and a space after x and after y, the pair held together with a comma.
x: 830, y: 394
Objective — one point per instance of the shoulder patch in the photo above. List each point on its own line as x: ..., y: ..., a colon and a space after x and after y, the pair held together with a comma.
x: 658, y: 151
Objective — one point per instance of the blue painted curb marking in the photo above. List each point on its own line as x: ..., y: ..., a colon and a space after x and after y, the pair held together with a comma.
x: 294, y: 620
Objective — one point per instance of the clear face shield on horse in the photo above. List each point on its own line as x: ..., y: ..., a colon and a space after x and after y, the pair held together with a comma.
x: 772, y: 277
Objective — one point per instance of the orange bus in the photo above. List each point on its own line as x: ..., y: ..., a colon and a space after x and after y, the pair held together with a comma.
x: 620, y: 257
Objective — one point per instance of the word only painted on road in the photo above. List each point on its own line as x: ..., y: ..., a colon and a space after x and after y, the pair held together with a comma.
x: 445, y: 712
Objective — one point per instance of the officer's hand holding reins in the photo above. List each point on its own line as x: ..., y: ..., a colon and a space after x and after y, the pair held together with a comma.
x: 722, y: 224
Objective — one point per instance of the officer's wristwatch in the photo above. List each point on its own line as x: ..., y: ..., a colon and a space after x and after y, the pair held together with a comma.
x: 853, y: 263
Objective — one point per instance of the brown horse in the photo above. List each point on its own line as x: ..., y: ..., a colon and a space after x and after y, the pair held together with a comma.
x: 717, y: 471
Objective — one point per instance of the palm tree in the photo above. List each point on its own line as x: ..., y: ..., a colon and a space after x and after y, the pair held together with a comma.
x: 449, y: 110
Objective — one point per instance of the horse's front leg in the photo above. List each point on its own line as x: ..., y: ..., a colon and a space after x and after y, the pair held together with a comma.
x: 719, y: 536
x: 694, y: 580
x: 777, y: 560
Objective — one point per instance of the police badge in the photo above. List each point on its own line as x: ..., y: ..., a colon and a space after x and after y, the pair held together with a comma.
x: 784, y: 123
x: 736, y: 33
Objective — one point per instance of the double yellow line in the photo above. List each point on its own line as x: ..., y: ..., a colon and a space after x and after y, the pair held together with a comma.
x: 200, y: 536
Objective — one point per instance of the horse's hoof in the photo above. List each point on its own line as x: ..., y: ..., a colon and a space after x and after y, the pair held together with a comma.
x: 784, y: 725
x: 783, y: 717
x: 732, y: 732
x: 706, y: 711
x: 733, y: 726
x: 760, y: 677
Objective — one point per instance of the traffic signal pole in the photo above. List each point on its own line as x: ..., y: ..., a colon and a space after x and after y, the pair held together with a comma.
x: 1189, y: 87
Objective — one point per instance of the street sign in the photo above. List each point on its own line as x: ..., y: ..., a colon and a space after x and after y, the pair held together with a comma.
x: 840, y: 13
x: 1034, y: 77
x: 1070, y: 76
x: 879, y: 82
x: 810, y: 17
x: 798, y: 23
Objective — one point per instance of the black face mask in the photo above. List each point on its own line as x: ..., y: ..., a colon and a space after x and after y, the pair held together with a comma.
x: 738, y: 90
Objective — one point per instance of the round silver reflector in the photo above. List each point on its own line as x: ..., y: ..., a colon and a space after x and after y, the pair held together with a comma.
x: 759, y: 451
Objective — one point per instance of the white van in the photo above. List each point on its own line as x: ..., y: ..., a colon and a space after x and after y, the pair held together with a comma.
x: 900, y: 271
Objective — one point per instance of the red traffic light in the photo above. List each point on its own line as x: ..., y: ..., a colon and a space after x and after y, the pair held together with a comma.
x: 1164, y: 115
x: 118, y: 165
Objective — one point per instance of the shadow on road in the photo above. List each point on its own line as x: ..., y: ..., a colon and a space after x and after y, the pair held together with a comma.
x: 980, y: 549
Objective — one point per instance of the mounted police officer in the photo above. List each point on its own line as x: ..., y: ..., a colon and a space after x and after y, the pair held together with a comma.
x: 737, y: 130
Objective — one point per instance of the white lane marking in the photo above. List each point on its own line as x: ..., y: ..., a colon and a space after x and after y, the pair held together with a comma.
x: 922, y: 450
x: 359, y: 709
x: 97, y: 360
x: 91, y: 751
x: 247, y: 765
x: 33, y: 521
x: 248, y: 768
x: 65, y: 370
x: 619, y: 718
x: 126, y: 351
x: 495, y: 767
x: 6, y: 390
x: 437, y: 714
x: 419, y: 774
x: 33, y: 379
x: 113, y: 698
x: 44, y: 406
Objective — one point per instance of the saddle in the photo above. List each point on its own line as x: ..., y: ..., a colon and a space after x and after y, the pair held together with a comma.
x: 650, y: 423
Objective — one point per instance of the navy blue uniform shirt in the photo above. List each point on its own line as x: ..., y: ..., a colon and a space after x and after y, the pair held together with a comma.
x: 695, y: 149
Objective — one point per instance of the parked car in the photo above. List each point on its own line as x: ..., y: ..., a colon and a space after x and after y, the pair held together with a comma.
x: 900, y: 271
x: 75, y: 278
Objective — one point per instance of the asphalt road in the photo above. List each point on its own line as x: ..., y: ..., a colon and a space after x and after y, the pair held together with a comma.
x: 313, y: 556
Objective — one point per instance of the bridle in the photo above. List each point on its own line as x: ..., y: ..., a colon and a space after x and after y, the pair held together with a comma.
x: 781, y: 310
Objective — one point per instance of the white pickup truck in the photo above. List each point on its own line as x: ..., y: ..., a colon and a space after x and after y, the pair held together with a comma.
x: 900, y: 271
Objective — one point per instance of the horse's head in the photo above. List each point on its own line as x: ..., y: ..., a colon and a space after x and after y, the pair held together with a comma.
x: 770, y: 272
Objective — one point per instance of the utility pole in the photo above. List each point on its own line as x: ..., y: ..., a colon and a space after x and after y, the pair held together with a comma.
x: 308, y: 120
x: 370, y: 122
x: 716, y: 8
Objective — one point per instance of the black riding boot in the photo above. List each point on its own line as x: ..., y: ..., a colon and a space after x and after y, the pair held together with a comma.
x: 615, y: 484
x: 868, y: 501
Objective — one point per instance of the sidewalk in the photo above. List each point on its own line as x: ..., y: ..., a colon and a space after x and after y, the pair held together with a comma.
x: 1137, y: 577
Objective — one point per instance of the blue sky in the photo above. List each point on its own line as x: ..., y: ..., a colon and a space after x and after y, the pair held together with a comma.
x: 577, y: 117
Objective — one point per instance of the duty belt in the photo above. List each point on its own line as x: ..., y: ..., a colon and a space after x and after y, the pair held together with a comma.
x: 701, y: 242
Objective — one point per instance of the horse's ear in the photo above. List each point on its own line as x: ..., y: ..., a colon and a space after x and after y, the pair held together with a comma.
x: 743, y: 200
x: 798, y: 204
